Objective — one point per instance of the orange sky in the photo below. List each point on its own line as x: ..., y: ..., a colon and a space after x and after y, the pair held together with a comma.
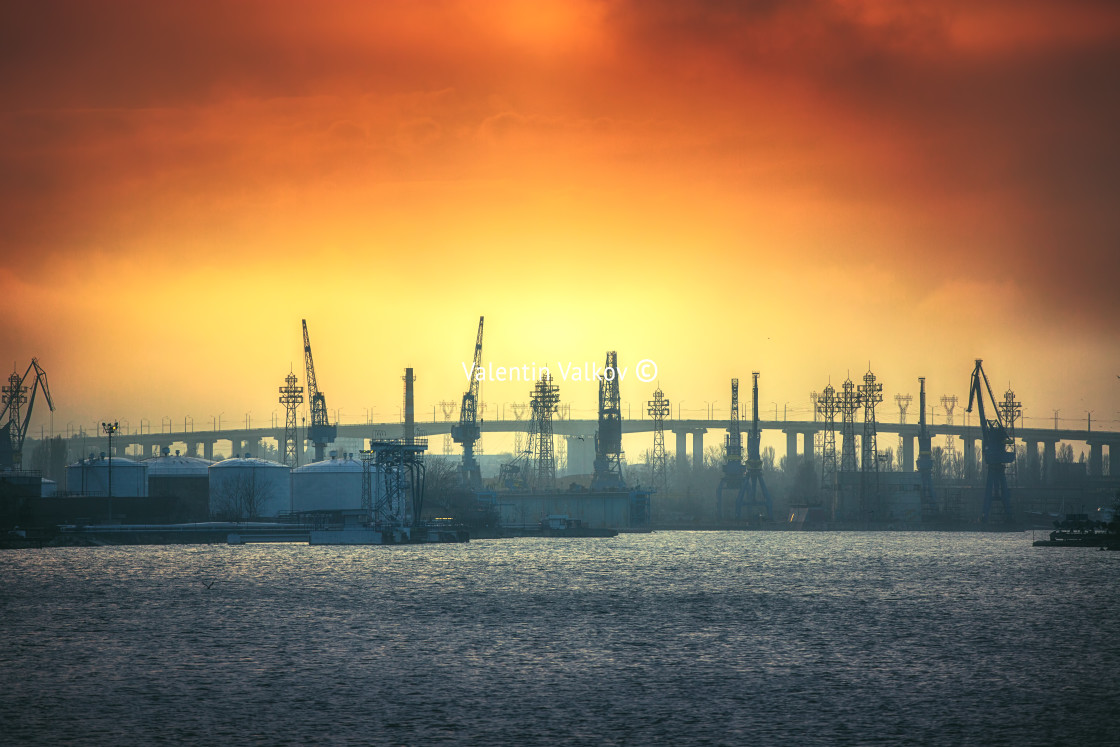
x: 795, y: 188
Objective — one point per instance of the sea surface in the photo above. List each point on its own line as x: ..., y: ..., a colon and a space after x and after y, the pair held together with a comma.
x: 643, y: 639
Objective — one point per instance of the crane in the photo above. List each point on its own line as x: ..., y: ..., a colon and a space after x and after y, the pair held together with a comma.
x: 994, y: 443
x: 754, y: 480
x: 925, y: 457
x: 733, y: 462
x: 468, y: 430
x: 14, y: 430
x: 321, y: 431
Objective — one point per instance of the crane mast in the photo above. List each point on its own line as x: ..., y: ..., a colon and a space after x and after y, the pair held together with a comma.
x: 755, y: 479
x: 925, y: 458
x: 321, y: 431
x: 467, y: 432
x: 14, y: 431
x: 733, y: 462
x: 994, y: 443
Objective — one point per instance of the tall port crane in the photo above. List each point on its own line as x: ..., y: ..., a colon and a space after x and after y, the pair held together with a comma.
x: 321, y: 431
x: 994, y: 444
x: 754, y: 480
x: 14, y: 430
x: 607, y: 473
x: 733, y: 455
x: 468, y: 430
x: 925, y: 458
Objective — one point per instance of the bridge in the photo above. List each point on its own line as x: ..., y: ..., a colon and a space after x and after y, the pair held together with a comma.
x: 580, y: 438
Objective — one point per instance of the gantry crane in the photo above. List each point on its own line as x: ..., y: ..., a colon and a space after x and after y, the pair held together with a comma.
x: 468, y: 430
x: 754, y: 480
x: 607, y: 473
x: 15, y: 418
x: 321, y: 431
x: 733, y: 460
x: 994, y: 443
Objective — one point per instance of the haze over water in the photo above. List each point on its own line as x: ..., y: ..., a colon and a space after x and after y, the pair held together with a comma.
x: 675, y: 637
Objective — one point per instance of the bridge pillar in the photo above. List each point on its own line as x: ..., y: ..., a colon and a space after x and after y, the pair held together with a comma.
x: 1049, y: 456
x: 209, y: 450
x: 682, y: 448
x: 791, y: 447
x: 581, y: 454
x: 697, y: 449
x: 1113, y: 465
x: 807, y: 443
x: 1095, y: 459
x: 907, y: 453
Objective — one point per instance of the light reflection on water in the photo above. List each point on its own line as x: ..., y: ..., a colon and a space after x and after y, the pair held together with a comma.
x: 686, y: 637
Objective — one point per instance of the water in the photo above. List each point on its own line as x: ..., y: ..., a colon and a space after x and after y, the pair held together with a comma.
x: 675, y: 637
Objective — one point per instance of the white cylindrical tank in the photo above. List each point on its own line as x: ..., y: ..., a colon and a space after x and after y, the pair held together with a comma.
x: 249, y: 488
x: 331, y: 485
x: 178, y: 466
x: 92, y: 476
x: 50, y: 488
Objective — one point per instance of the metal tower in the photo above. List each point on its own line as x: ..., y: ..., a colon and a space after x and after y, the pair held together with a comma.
x: 291, y: 396
x: 903, y: 401
x: 733, y: 456
x: 321, y: 431
x: 545, y: 398
x: 448, y: 408
x: 468, y: 431
x: 608, y: 439
x: 925, y: 458
x: 847, y: 402
x: 754, y: 480
x: 870, y: 394
x: 398, y: 467
x: 658, y: 410
x: 827, y: 405
x: 1012, y: 412
x: 949, y: 458
x: 994, y: 444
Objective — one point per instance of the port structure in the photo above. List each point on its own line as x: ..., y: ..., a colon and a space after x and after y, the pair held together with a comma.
x: 870, y: 394
x: 903, y: 401
x: 607, y: 473
x: 994, y: 444
x: 754, y: 478
x: 15, y: 418
x: 544, y: 401
x: 827, y: 405
x: 733, y: 470
x: 949, y: 457
x: 447, y: 407
x: 926, y: 498
x: 468, y: 431
x: 321, y: 431
x: 657, y: 409
x: 1012, y: 411
x: 397, y: 466
x: 291, y: 396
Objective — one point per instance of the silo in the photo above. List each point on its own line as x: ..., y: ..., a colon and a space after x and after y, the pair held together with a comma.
x: 331, y: 485
x: 249, y: 488
x: 91, y: 477
x: 182, y: 483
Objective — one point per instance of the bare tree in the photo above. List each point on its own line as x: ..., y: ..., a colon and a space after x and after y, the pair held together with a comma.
x: 241, y: 497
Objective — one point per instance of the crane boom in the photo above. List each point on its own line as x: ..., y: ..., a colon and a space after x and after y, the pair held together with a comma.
x: 321, y: 431
x: 994, y: 443
x: 468, y: 430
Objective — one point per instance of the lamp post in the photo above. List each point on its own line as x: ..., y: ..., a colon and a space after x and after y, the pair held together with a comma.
x: 110, y: 429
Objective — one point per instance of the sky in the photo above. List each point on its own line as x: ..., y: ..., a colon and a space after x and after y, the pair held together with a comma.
x: 807, y: 189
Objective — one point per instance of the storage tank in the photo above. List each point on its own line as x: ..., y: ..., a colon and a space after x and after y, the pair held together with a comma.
x: 183, y: 483
x: 91, y: 477
x: 249, y: 488
x: 331, y: 485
